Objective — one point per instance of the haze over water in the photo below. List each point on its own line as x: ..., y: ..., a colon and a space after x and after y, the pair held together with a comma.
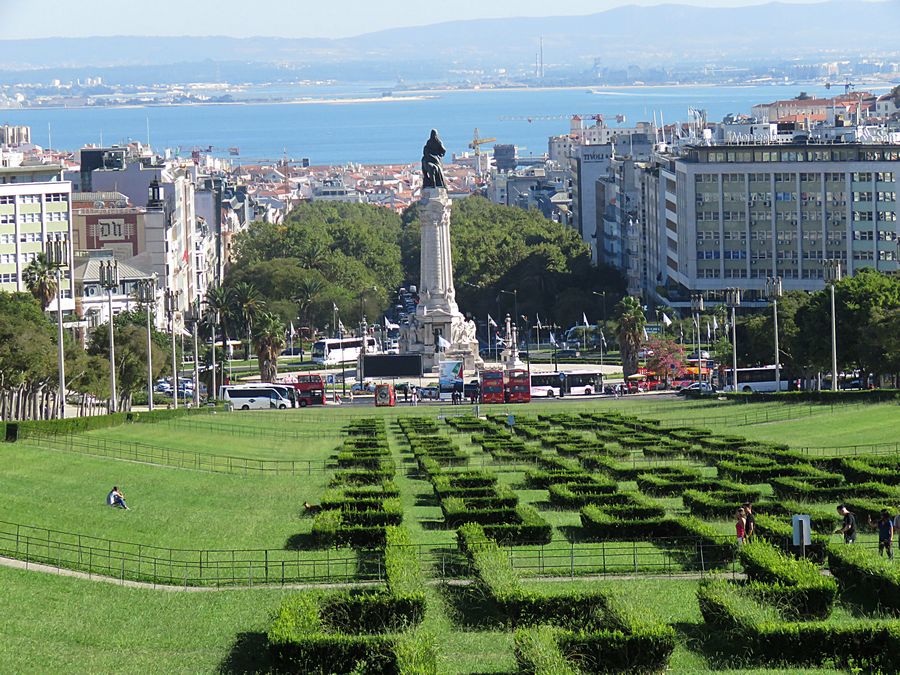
x: 383, y: 132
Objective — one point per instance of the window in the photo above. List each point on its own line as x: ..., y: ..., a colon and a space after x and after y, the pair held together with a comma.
x: 29, y: 217
x: 865, y: 216
x: 56, y: 197
x: 862, y: 196
x: 886, y: 235
x: 29, y: 199
x: 30, y: 237
x: 885, y: 177
x: 864, y: 255
x: 8, y: 278
x: 862, y: 177
x: 7, y: 258
x: 7, y: 219
x: 7, y: 199
x: 887, y: 216
x: 886, y: 255
x: 887, y: 196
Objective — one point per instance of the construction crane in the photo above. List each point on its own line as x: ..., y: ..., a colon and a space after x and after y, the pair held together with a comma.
x: 476, y: 146
x: 848, y: 85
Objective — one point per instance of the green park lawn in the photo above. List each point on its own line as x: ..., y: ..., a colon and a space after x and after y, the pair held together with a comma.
x: 73, y: 625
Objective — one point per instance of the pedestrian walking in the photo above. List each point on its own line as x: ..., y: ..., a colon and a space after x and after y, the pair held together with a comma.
x: 848, y: 524
x: 886, y: 534
x: 740, y: 525
x: 749, y: 521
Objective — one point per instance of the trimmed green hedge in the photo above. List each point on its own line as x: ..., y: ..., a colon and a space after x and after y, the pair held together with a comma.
x: 788, y: 582
x: 762, y: 637
x: 872, y: 578
x: 822, y: 396
x: 74, y: 425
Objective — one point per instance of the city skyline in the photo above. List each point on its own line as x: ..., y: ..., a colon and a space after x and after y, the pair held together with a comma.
x: 42, y: 19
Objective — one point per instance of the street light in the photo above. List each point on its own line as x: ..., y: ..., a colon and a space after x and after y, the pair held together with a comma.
x: 515, y: 294
x: 832, y: 272
x: 147, y: 295
x: 109, y: 279
x: 57, y: 253
x: 171, y: 304
x: 773, y: 292
x: 603, y: 295
x: 733, y: 300
x: 696, y: 308
x: 193, y: 316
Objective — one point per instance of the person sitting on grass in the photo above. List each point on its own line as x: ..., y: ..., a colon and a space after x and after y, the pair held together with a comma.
x: 116, y: 498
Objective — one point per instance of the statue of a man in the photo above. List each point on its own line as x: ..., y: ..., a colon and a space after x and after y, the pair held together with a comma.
x: 433, y: 162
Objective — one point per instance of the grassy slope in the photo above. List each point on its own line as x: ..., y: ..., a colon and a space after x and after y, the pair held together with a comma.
x: 170, y: 507
x: 55, y: 624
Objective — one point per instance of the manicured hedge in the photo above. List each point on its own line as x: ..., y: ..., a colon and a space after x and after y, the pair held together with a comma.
x: 718, y: 504
x: 800, y: 489
x: 760, y: 636
x: 788, y: 582
x: 871, y: 578
x: 74, y: 425
x: 822, y: 396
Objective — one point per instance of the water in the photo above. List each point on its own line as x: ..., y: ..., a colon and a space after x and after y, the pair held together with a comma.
x: 391, y: 131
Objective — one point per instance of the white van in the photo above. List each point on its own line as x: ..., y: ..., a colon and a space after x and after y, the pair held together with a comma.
x: 254, y: 398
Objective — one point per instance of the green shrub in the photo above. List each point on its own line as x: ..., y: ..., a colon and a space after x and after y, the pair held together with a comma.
x: 797, y: 584
x: 872, y: 578
x: 800, y: 489
x: 537, y: 652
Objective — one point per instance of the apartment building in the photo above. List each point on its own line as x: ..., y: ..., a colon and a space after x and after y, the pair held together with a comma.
x: 35, y: 207
x: 741, y: 213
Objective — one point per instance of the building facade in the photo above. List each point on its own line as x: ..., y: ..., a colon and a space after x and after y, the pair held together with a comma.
x: 35, y: 208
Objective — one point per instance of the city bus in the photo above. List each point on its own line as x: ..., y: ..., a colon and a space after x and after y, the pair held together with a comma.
x: 759, y: 379
x: 492, y: 386
x: 518, y: 387
x: 310, y: 390
x: 550, y: 385
x: 340, y: 350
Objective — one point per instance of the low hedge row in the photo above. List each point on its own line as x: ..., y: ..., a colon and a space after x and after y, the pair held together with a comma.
x: 760, y: 635
x: 803, y: 491
x: 74, y: 425
x: 719, y: 504
x: 871, y: 578
x: 576, y: 495
x: 791, y: 583
x: 822, y: 396
x: 597, y: 630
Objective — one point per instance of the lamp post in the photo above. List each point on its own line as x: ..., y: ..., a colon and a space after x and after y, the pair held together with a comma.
x: 773, y: 292
x: 147, y: 295
x: 602, y: 294
x: 57, y: 253
x: 696, y: 308
x: 193, y: 315
x: 515, y: 294
x: 171, y: 304
x: 733, y: 300
x: 833, y: 274
x: 109, y: 279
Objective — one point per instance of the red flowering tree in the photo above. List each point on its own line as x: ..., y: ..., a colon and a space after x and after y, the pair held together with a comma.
x: 666, y: 358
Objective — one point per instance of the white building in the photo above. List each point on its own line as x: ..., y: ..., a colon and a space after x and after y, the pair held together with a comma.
x: 35, y: 207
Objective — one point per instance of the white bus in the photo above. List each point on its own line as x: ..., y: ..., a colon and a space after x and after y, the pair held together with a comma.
x: 551, y: 385
x: 760, y: 379
x: 332, y: 351
x: 254, y: 397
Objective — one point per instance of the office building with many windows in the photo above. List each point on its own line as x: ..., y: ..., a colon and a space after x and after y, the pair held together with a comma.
x: 742, y: 213
x: 35, y: 207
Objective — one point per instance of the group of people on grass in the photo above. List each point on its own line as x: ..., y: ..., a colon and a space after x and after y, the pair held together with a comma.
x: 745, y: 527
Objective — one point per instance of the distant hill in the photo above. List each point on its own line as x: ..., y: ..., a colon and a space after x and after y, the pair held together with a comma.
x: 639, y: 35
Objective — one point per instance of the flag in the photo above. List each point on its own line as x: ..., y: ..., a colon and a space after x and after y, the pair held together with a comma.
x: 552, y: 339
x: 715, y: 323
x: 499, y: 340
x: 538, y: 320
x: 584, y: 318
x: 292, y: 329
x: 341, y: 326
x: 708, y: 332
x: 491, y: 321
x: 646, y: 337
x: 666, y: 320
x: 334, y: 306
x: 602, y: 339
x: 390, y: 326
x: 443, y: 343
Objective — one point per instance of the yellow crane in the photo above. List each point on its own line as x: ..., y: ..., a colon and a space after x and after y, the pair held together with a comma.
x: 476, y: 146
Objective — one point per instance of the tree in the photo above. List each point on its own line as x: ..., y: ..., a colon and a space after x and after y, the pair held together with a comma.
x: 131, y: 357
x: 220, y: 302
x: 631, y: 332
x: 248, y: 303
x: 268, y: 339
x: 665, y: 357
x: 309, y: 290
x: 40, y: 279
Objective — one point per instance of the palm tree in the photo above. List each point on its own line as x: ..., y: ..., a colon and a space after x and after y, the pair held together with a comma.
x: 309, y: 290
x: 40, y: 278
x: 220, y: 301
x: 268, y: 339
x: 631, y: 333
x: 248, y: 303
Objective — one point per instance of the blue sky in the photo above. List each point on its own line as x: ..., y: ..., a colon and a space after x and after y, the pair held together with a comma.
x: 286, y: 18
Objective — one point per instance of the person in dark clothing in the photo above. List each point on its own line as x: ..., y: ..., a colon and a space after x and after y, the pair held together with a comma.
x: 886, y: 534
x: 848, y: 525
x: 749, y: 521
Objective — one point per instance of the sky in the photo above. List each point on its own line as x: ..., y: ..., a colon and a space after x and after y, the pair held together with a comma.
x: 283, y: 18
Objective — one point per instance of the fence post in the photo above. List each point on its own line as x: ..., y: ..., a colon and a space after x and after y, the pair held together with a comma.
x: 572, y: 559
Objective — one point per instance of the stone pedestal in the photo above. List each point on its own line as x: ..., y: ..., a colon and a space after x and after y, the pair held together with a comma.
x: 438, y: 330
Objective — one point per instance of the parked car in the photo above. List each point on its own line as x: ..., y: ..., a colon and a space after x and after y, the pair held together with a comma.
x: 363, y: 387
x: 433, y: 392
x: 568, y: 354
x: 702, y: 387
x: 292, y: 351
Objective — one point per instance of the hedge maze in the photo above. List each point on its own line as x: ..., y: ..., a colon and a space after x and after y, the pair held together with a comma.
x: 534, y: 512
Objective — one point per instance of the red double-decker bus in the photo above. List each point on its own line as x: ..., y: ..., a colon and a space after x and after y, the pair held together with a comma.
x: 518, y: 386
x: 310, y: 390
x: 492, y: 386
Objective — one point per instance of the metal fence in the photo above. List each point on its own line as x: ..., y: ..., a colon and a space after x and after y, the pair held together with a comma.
x: 851, y: 450
x: 271, y: 431
x: 146, y: 453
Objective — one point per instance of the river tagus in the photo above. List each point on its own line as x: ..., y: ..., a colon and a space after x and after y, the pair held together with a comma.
x: 366, y: 127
